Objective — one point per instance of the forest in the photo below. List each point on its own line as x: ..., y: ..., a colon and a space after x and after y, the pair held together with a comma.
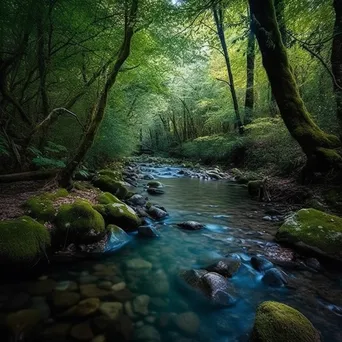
x: 170, y: 170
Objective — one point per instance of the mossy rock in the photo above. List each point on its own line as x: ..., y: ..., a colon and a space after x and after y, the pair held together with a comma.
x: 41, y: 207
x: 107, y: 183
x: 277, y: 322
x: 23, y: 241
x: 154, y: 184
x: 314, y: 230
x: 107, y: 198
x: 116, y: 175
x: 119, y: 214
x: 78, y: 223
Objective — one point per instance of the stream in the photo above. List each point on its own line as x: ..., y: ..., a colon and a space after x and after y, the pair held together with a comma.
x: 148, y: 268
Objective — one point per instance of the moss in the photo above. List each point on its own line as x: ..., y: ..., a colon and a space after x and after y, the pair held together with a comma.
x: 107, y: 198
x: 314, y: 228
x: 79, y: 223
x: 119, y: 214
x: 155, y: 184
x: 23, y: 240
x: 41, y: 207
x: 115, y: 175
x: 277, y: 322
x: 106, y: 183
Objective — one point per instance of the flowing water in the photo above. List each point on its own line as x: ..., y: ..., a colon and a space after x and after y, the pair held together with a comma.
x: 233, y: 225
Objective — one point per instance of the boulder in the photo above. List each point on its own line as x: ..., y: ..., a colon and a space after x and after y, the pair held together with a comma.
x: 78, y: 223
x: 140, y: 304
x: 227, y: 267
x: 137, y: 200
x: 107, y: 198
x: 155, y: 191
x: 148, y: 231
x: 274, y: 277
x: 154, y: 184
x: 120, y: 214
x: 156, y: 212
x: 23, y: 241
x: 190, y: 225
x: 109, y: 184
x: 188, y: 323
x: 117, y: 239
x: 261, y: 264
x: 111, y: 309
x: 314, y: 230
x: 277, y: 322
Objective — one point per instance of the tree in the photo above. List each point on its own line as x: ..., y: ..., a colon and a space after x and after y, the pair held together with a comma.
x: 319, y: 147
x: 336, y: 60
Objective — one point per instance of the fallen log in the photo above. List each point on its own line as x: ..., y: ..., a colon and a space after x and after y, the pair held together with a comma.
x: 27, y: 176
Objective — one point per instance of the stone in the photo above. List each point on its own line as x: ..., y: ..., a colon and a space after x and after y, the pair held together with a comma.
x: 147, y: 333
x: 99, y: 338
x: 138, y: 264
x: 188, y: 323
x: 122, y: 295
x: 66, y: 285
x: 148, y: 231
x: 40, y: 304
x: 156, y: 213
x: 315, y: 231
x: 277, y: 322
x: 91, y: 290
x: 227, y: 267
x: 21, y: 323
x: 57, y: 330
x: 261, y: 264
x: 129, y: 310
x: 274, y: 277
x: 82, y: 332
x: 111, y: 309
x: 155, y: 191
x: 140, y: 304
x: 64, y: 299
x: 154, y: 184
x: 137, y: 200
x: 119, y: 286
x: 105, y: 285
x: 84, y: 308
x: 190, y: 225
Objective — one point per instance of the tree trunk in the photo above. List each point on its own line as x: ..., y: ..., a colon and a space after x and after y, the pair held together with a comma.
x: 336, y: 60
x: 218, y: 18
x: 99, y: 110
x: 249, y: 100
x: 318, y: 146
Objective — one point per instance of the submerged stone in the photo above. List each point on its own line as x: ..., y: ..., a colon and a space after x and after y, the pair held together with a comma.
x: 277, y: 322
x: 138, y: 264
x: 261, y: 264
x: 227, y: 267
x: 191, y: 225
x: 156, y: 212
x: 155, y: 191
x: 84, y: 308
x: 188, y: 323
x: 82, y: 332
x: 111, y: 309
x: 274, y: 277
x: 148, y: 231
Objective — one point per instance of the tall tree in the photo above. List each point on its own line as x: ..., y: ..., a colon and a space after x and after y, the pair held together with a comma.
x: 249, y: 100
x: 336, y: 60
x: 318, y: 146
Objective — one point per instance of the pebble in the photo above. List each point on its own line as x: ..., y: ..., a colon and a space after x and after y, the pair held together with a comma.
x: 119, y: 286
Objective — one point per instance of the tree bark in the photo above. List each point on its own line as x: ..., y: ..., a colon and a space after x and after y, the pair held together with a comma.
x: 318, y: 146
x: 336, y: 60
x: 249, y: 100
x: 65, y: 177
x: 218, y: 18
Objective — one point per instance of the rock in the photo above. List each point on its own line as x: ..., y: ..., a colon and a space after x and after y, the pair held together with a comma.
x: 64, y: 299
x: 191, y: 225
x: 84, y: 308
x: 313, y: 263
x: 160, y: 285
x: 40, y: 304
x: 66, y: 285
x: 261, y: 264
x: 211, y: 285
x: 26, y: 242
x: 277, y: 322
x: 148, y: 231
x: 21, y: 323
x: 117, y: 239
x: 121, y: 330
x: 129, y: 310
x: 137, y: 200
x: 156, y: 213
x: 150, y: 319
x: 313, y: 230
x: 188, y: 323
x: 119, y: 214
x: 55, y: 331
x: 147, y: 333
x: 109, y: 184
x: 41, y: 287
x: 226, y: 267
x: 154, y: 184
x: 82, y: 332
x: 107, y: 198
x: 138, y: 264
x: 99, y: 338
x: 122, y: 295
x: 91, y: 290
x: 155, y: 191
x: 78, y: 223
x: 140, y: 304
x: 119, y: 286
x: 274, y: 277
x: 111, y: 309
x: 158, y: 303
x: 148, y: 177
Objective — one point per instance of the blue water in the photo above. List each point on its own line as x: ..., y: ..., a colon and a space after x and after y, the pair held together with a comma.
x: 233, y: 226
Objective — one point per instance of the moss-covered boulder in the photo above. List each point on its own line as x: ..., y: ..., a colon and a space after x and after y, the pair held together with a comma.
x: 313, y: 230
x: 23, y: 241
x: 277, y: 322
x: 119, y: 214
x: 107, y: 198
x: 41, y: 207
x: 78, y: 223
x: 109, y: 184
x: 116, y: 175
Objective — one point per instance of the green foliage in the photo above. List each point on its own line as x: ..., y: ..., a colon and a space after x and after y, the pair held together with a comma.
x: 23, y: 240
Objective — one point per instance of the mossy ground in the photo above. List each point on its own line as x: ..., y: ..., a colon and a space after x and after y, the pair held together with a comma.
x: 314, y: 228
x: 22, y: 240
x: 277, y: 322
x: 79, y: 223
